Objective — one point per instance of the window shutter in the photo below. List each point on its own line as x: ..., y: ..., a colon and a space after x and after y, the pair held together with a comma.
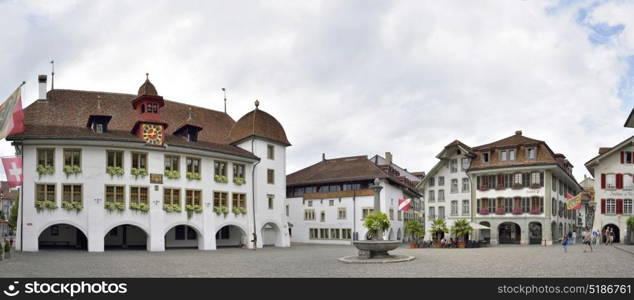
x: 622, y: 154
x: 541, y: 178
x: 602, y: 181
x: 619, y: 181
x: 602, y: 206
x: 478, y: 180
x: 619, y: 206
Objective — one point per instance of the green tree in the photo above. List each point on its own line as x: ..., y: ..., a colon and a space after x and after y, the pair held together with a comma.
x: 414, y: 230
x: 376, y: 223
x: 13, y: 218
x: 438, y: 226
x: 461, y: 228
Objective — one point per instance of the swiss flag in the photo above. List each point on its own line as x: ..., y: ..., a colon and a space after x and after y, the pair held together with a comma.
x: 404, y: 204
x: 13, y: 170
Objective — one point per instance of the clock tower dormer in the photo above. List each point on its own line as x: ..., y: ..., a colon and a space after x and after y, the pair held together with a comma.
x: 147, y: 105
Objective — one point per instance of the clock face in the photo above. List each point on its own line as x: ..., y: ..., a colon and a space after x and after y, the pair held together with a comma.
x: 153, y: 134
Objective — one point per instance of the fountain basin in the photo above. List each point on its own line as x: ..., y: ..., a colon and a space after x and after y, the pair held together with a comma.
x: 375, y: 249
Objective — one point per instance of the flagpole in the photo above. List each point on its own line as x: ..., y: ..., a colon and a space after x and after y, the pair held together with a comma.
x: 21, y: 202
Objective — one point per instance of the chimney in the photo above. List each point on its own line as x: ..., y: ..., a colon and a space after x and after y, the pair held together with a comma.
x: 518, y: 132
x: 388, y: 158
x: 323, y: 156
x: 42, y: 84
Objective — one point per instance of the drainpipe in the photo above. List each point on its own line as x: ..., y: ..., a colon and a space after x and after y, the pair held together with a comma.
x: 255, y: 236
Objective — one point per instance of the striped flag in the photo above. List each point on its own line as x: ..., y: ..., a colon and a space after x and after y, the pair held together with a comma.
x: 573, y: 202
x: 11, y: 114
x: 404, y: 204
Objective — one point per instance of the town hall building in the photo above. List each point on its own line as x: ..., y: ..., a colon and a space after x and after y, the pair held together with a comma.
x: 108, y: 170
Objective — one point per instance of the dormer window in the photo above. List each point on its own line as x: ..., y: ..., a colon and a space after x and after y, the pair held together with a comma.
x: 98, y: 124
x: 485, y: 157
x: 531, y: 153
x: 188, y: 132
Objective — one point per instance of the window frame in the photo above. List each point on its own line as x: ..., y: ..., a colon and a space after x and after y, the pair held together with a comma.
x: 46, y: 157
x: 72, y: 156
x: 115, y: 163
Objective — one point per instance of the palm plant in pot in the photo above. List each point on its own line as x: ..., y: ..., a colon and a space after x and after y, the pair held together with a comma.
x: 414, y: 230
x: 377, y: 224
x: 630, y: 229
x: 438, y: 228
x: 461, y: 228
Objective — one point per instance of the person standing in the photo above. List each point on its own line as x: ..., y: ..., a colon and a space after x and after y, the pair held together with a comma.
x: 611, y: 237
x: 564, y: 243
x: 587, y: 239
x: 574, y: 237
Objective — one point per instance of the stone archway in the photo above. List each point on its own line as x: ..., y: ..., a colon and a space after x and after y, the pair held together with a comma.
x: 183, y: 236
x: 615, y: 229
x: 231, y: 236
x: 271, y: 235
x: 485, y: 234
x: 509, y: 233
x: 535, y: 233
x: 126, y: 236
x: 399, y: 234
x: 62, y: 236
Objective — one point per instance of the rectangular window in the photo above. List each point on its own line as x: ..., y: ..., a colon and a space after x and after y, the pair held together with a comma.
x: 627, y: 206
x: 391, y: 214
x: 270, y: 200
x: 531, y: 153
x: 465, y: 164
x: 220, y: 168
x: 139, y: 160
x: 331, y: 202
x: 45, y: 192
x: 366, y: 212
x: 431, y: 181
x: 512, y: 154
x: 240, y: 200
x: 322, y: 216
x: 46, y: 157
x: 287, y: 210
x: 508, y: 205
x: 71, y: 193
x: 172, y: 163
x: 72, y: 157
x: 441, y: 212
x: 454, y: 185
x: 193, y: 165
x: 441, y: 180
x: 346, y: 233
x: 220, y: 199
x: 399, y: 215
x: 115, y: 194
x: 309, y: 214
x: 193, y: 197
x: 465, y: 185
x: 485, y: 157
x: 553, y: 182
x: 535, y: 178
x: 310, y: 203
x: 238, y: 171
x: 114, y: 159
x: 334, y: 233
x: 441, y: 195
x: 454, y: 208
x: 610, y: 180
x: 270, y: 176
x: 138, y: 194
x: 453, y: 165
x: 323, y: 233
x: 627, y: 182
x: 341, y: 213
x: 432, y: 196
x: 610, y: 206
x: 270, y: 152
x: 465, y: 207
x: 526, y: 205
x: 503, y: 155
x: 432, y: 213
x: 314, y: 234
x: 172, y: 196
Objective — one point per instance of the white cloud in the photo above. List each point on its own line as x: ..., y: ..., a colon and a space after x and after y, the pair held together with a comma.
x: 346, y: 78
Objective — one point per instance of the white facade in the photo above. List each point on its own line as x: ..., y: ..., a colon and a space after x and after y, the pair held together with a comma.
x: 613, y: 198
x: 156, y: 228
x: 352, y: 222
x: 447, y: 189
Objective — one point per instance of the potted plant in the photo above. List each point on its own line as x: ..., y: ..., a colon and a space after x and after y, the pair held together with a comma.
x: 172, y: 174
x: 45, y: 170
x: 461, y: 228
x: 376, y: 223
x: 414, y: 230
x: 630, y: 229
x: 438, y: 228
x: 238, y: 180
x: 70, y: 170
x: 193, y: 208
x: 220, y: 178
x: 114, y: 171
x: 138, y: 172
x: 193, y: 176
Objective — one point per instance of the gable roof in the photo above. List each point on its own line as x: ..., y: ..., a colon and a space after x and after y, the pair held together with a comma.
x: 434, y: 170
x: 354, y: 168
x: 630, y: 120
x: 65, y: 112
x: 603, y: 153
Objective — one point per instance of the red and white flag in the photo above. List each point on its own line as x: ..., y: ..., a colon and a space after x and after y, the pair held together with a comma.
x: 404, y: 204
x: 13, y: 170
x: 11, y: 114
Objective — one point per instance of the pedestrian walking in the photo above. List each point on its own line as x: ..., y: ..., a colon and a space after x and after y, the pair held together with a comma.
x: 587, y: 239
x: 574, y: 237
x: 564, y: 244
x: 611, y: 237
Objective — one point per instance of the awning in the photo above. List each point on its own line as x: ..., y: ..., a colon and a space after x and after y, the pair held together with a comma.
x: 476, y: 226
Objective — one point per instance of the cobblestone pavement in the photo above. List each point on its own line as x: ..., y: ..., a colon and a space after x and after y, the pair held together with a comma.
x: 321, y: 261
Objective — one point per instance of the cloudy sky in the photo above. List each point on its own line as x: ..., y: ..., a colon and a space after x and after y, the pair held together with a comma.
x: 350, y: 77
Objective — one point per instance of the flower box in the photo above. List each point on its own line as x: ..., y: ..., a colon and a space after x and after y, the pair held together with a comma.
x: 142, y: 207
x: 172, y: 208
x: 221, y: 210
x: 70, y: 170
x: 484, y: 188
x: 517, y: 211
x: 536, y: 211
x: 138, y: 172
x: 500, y: 211
x: 239, y: 180
x: 193, y: 176
x: 70, y: 206
x: 45, y: 170
x: 114, y: 171
x: 172, y: 174
x: 484, y: 212
x: 111, y: 206
x: 220, y: 179
x: 517, y: 186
